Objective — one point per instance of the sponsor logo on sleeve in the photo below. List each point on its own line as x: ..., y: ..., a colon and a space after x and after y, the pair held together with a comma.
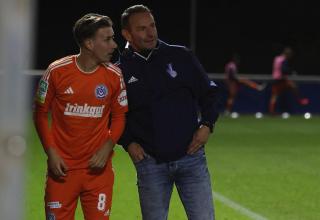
x: 122, y: 98
x: 42, y: 91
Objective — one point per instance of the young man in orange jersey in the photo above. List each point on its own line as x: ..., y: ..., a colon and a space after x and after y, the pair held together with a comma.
x: 86, y: 97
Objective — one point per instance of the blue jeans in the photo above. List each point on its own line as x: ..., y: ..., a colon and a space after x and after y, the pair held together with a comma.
x: 192, y: 179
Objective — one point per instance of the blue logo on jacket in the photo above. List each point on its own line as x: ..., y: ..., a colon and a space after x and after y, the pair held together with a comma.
x: 171, y: 71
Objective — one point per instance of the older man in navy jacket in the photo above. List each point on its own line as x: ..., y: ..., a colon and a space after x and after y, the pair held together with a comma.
x: 172, y: 111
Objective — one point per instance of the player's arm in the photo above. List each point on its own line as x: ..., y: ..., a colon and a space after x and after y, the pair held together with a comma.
x: 206, y: 92
x: 126, y: 140
x: 119, y: 106
x: 44, y: 96
x: 134, y: 149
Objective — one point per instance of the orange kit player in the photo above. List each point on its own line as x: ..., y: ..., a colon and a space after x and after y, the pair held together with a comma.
x: 86, y: 98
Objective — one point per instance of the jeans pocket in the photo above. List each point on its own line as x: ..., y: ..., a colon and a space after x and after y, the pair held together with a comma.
x: 145, y: 158
x: 138, y: 162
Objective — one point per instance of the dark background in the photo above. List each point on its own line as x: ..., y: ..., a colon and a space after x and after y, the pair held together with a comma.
x: 257, y: 31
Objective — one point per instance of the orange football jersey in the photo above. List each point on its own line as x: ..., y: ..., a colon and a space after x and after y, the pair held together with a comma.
x: 86, y: 109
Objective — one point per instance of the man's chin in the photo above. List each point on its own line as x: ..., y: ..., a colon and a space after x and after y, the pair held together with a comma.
x: 151, y: 45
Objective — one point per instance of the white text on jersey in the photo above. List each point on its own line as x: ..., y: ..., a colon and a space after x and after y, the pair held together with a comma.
x: 84, y: 110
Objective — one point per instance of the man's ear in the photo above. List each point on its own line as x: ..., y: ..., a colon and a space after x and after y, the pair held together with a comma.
x: 88, y: 43
x: 126, y: 34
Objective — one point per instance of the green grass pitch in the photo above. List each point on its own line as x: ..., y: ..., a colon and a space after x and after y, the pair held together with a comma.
x: 269, y: 166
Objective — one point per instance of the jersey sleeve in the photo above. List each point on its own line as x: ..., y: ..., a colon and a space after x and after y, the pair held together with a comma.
x: 119, y: 107
x: 43, y: 98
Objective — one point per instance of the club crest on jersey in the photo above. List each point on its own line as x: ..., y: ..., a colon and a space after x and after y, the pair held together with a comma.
x: 101, y: 91
x: 171, y: 71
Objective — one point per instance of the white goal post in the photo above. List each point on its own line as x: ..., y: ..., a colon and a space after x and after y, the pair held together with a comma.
x: 16, y: 28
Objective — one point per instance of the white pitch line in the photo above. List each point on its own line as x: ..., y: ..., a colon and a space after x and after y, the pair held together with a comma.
x: 238, y: 207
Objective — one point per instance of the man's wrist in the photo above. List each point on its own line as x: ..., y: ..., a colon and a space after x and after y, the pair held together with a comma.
x: 208, y: 125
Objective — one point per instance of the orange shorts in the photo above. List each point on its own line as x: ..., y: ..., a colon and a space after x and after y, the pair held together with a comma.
x: 93, y: 188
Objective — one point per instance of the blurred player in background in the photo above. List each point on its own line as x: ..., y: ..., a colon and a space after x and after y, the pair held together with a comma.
x: 281, y: 83
x: 81, y: 92
x: 233, y: 82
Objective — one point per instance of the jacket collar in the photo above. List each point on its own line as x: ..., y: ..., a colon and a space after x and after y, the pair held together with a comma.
x: 129, y: 51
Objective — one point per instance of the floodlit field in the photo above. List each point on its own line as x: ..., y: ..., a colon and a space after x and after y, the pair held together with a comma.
x: 261, y: 169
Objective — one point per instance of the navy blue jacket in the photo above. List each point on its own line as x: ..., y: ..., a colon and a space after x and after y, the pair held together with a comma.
x: 166, y: 92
